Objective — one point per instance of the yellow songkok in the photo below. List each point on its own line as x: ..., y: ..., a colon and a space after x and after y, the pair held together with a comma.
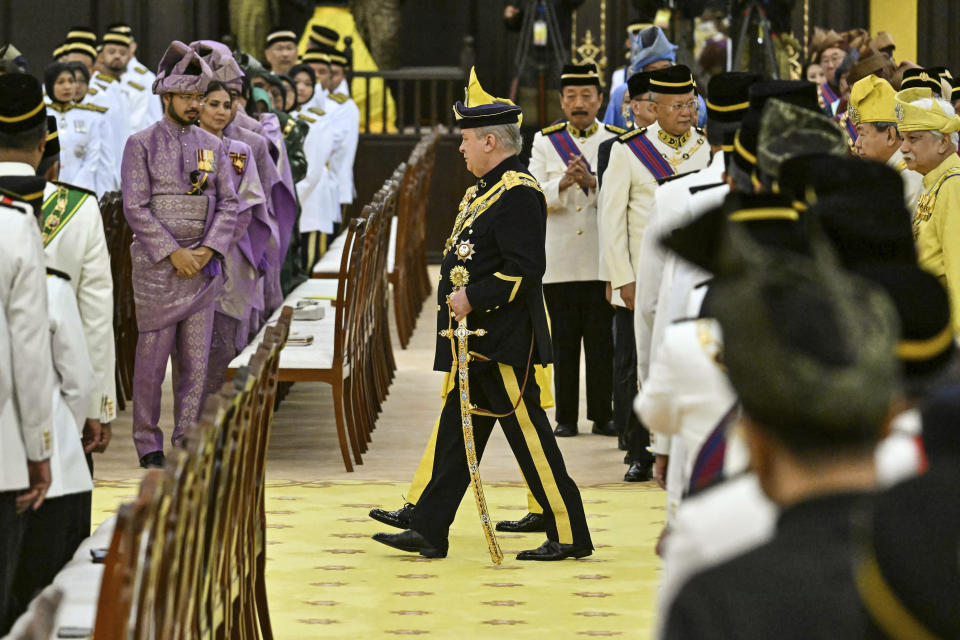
x: 872, y: 99
x: 913, y: 118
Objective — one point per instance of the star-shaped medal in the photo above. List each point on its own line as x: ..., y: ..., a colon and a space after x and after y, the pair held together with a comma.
x: 465, y: 251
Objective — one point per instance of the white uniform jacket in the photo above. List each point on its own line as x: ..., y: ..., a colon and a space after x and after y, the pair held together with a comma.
x: 572, y: 245
x: 686, y: 395
x: 109, y: 95
x: 26, y: 384
x: 345, y: 115
x: 73, y: 382
x: 626, y: 199
x: 319, y: 191
x: 79, y: 249
x: 145, y: 107
x: 86, y: 152
x: 673, y: 207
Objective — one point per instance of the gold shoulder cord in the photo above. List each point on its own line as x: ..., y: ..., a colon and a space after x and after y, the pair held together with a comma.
x: 928, y: 201
x: 459, y: 276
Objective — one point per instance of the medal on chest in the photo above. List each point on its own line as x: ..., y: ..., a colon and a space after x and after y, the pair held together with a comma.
x: 80, y: 125
x: 239, y: 161
x: 205, y: 160
x: 465, y: 250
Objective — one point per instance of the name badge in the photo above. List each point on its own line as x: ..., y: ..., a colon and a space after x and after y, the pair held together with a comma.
x: 205, y: 160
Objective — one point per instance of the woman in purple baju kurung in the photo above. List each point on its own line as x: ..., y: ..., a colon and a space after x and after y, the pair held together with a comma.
x: 179, y: 199
x: 240, y: 294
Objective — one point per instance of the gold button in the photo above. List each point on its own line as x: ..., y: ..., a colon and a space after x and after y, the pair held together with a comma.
x: 579, y: 208
x: 438, y: 307
x: 579, y: 232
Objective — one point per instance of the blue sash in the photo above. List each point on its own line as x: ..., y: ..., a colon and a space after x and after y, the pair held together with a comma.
x: 568, y: 149
x: 648, y: 155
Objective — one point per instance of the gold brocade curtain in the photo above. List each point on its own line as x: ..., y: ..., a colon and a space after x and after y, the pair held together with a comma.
x: 250, y: 21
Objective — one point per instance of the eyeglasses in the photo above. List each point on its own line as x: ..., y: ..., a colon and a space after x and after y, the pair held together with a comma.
x: 692, y: 105
x: 191, y: 97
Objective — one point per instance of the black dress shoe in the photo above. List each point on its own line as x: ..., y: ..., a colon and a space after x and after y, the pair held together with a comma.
x: 608, y: 428
x: 639, y: 472
x: 551, y: 550
x: 401, y: 518
x: 153, y: 460
x: 527, y: 524
x: 565, y: 430
x: 411, y: 541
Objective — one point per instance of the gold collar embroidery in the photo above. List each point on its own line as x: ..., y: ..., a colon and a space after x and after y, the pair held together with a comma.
x: 583, y: 133
x: 62, y: 107
x: 673, y: 141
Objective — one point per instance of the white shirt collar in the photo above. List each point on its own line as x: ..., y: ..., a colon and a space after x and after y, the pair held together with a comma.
x: 16, y: 169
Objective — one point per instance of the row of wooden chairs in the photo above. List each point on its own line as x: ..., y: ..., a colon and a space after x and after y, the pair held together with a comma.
x: 187, y: 557
x: 119, y: 237
x: 408, y: 277
x: 363, y: 363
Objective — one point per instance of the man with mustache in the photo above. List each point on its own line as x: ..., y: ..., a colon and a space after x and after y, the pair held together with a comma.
x: 180, y: 202
x: 929, y: 128
x: 871, y: 111
x: 563, y: 160
x: 673, y: 145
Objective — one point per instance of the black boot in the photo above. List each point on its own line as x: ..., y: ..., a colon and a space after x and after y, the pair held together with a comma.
x: 411, y: 541
x: 401, y: 518
x: 527, y: 524
x: 153, y: 460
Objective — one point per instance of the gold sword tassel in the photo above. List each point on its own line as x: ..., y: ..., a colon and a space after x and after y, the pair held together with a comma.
x: 459, y: 277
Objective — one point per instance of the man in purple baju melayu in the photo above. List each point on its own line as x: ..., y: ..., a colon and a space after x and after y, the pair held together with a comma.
x: 179, y: 199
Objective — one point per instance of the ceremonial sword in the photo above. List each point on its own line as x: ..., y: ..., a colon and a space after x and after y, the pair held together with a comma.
x: 459, y: 277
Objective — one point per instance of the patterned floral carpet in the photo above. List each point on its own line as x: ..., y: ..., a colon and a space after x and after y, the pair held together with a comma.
x: 327, y: 579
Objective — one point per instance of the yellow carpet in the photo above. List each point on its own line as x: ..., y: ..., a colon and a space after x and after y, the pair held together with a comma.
x: 327, y: 579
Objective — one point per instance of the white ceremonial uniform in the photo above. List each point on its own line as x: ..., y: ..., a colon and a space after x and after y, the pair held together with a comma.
x: 79, y: 249
x: 686, y: 395
x: 73, y: 383
x: 86, y: 154
x: 145, y: 107
x: 572, y: 246
x: 912, y: 181
x: 319, y: 191
x: 107, y: 93
x: 627, y: 195
x: 26, y: 384
x: 138, y: 75
x: 712, y: 527
x: 674, y: 206
x: 345, y: 114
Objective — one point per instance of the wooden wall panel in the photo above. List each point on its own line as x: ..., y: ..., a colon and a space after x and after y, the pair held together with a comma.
x: 938, y: 23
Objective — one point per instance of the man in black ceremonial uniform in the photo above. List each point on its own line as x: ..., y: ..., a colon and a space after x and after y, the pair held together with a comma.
x: 491, y: 274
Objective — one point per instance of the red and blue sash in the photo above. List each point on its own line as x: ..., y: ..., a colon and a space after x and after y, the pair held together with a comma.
x: 648, y: 155
x: 851, y: 129
x: 568, y: 149
x: 828, y: 95
x: 708, y: 467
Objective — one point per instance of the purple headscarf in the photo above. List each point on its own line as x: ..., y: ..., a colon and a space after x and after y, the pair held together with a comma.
x: 220, y: 59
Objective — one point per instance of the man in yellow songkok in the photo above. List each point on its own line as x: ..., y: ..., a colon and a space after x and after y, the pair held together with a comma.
x: 929, y: 127
x: 872, y: 111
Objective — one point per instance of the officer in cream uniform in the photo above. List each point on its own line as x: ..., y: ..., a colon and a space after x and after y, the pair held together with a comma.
x: 671, y: 146
x: 564, y: 160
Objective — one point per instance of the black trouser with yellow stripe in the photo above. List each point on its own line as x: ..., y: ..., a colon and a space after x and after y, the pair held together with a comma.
x: 496, y: 387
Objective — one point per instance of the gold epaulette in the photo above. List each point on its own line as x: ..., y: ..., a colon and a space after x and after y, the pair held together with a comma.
x: 319, y: 112
x: 615, y: 129
x: 554, y: 127
x: 91, y: 107
x: 901, y: 166
x: 73, y: 187
x: 104, y: 78
x: 631, y: 134
x: 91, y: 91
x: 513, y: 179
x: 339, y: 98
x: 139, y: 69
x: 699, y: 130
x: 306, y: 118
x: 138, y: 87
